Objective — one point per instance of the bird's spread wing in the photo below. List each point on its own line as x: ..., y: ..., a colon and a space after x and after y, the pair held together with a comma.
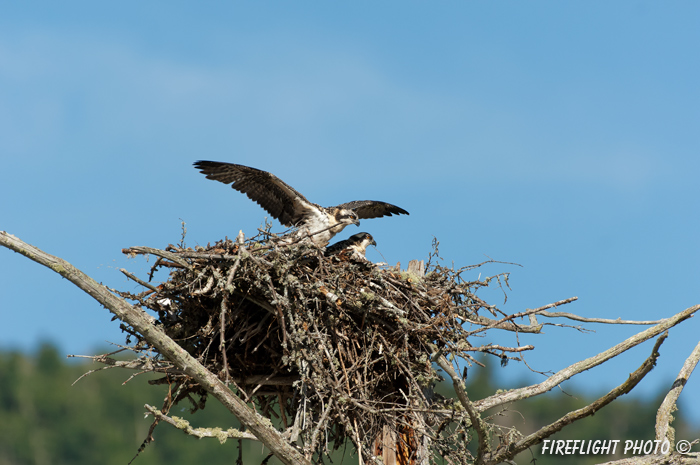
x: 373, y: 208
x: 278, y: 198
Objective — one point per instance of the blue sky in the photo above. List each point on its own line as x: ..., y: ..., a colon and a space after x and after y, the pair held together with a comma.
x: 563, y: 136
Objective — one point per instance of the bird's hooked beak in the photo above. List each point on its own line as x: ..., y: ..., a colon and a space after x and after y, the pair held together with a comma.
x: 356, y: 222
x: 374, y: 243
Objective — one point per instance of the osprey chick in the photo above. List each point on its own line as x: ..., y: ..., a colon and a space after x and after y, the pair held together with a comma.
x: 291, y: 208
x: 357, y: 244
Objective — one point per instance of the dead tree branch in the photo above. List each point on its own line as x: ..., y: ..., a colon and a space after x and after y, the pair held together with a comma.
x: 199, y: 433
x: 507, y: 322
x: 668, y: 406
x: 477, y: 423
x: 568, y: 372
x: 507, y: 453
x: 617, y: 321
x: 161, y: 253
x: 673, y: 459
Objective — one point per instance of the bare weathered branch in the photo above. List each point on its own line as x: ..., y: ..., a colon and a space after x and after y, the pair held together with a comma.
x: 673, y: 459
x: 160, y: 253
x: 507, y: 322
x: 496, y: 347
x: 568, y: 372
x: 477, y: 423
x: 140, y: 281
x: 512, y: 450
x: 663, y: 416
x: 145, y: 365
x: 184, y: 426
x: 608, y: 321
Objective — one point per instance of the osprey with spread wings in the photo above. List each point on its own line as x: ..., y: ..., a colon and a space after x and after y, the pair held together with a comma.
x: 291, y: 208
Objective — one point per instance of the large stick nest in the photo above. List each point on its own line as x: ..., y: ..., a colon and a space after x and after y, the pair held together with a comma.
x: 330, y: 348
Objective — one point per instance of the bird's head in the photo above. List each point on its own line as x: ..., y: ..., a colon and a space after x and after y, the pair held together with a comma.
x: 368, y: 240
x: 346, y: 216
x: 362, y: 240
